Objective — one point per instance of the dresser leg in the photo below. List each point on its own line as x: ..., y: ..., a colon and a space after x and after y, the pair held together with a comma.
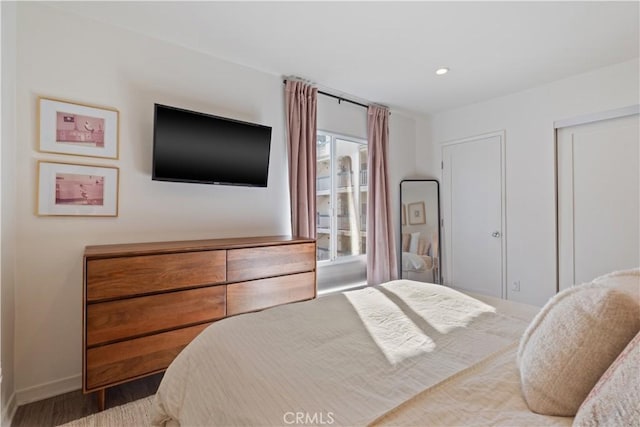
x: 102, y: 396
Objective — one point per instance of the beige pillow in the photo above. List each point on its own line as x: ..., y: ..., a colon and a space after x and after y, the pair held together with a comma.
x: 570, y: 343
x: 406, y: 239
x: 422, y: 247
x: 615, y: 399
x: 627, y: 281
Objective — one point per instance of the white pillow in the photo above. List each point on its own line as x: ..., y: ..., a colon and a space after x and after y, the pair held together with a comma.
x: 615, y: 399
x: 415, y: 239
x: 571, y: 342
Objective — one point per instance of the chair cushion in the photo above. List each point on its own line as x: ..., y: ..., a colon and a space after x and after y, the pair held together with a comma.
x: 571, y: 342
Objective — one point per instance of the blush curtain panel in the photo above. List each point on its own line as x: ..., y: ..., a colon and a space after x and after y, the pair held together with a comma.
x: 301, y: 107
x: 382, y: 264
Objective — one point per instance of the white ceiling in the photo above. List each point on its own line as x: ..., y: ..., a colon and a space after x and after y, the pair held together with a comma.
x: 387, y: 52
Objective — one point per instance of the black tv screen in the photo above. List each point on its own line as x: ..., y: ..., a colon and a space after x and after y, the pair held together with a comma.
x: 195, y: 147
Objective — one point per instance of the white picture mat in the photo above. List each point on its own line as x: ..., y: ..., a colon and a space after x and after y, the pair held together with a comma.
x: 47, y: 190
x: 417, y: 213
x: 48, y: 121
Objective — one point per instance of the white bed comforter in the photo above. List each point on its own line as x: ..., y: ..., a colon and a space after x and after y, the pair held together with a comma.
x: 485, y: 394
x: 344, y: 359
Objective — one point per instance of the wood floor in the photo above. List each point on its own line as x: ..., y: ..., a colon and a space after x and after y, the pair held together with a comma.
x: 71, y: 406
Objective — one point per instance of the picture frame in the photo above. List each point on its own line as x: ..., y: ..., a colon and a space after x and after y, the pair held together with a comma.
x: 403, y: 215
x: 68, y: 189
x: 417, y: 213
x: 67, y: 127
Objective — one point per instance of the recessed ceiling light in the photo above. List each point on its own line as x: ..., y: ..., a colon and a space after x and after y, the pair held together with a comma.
x: 442, y: 70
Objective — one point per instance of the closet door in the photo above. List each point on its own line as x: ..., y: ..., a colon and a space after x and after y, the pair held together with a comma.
x: 598, y: 199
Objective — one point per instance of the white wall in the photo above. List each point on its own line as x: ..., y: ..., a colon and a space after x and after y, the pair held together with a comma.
x: 62, y: 56
x: 65, y: 57
x: 527, y: 117
x: 343, y: 118
x: 402, y: 164
x: 7, y: 213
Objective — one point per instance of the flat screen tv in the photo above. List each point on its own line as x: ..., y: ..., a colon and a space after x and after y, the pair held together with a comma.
x: 195, y: 147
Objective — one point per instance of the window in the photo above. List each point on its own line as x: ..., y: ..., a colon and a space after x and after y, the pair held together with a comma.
x: 341, y: 197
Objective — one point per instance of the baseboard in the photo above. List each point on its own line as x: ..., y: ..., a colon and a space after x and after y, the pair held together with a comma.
x: 50, y: 389
x: 9, y: 410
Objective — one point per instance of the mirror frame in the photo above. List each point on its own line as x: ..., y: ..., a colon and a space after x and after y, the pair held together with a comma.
x: 439, y: 278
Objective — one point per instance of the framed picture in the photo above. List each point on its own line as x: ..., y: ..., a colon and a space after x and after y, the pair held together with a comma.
x: 403, y: 215
x: 67, y: 189
x: 76, y: 129
x: 416, y: 213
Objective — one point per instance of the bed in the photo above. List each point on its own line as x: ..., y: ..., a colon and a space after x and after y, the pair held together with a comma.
x: 365, y: 357
x: 349, y: 358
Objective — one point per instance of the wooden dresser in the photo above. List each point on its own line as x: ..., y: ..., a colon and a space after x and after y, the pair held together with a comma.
x: 144, y: 302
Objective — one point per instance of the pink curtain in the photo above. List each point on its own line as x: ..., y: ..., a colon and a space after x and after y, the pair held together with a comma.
x: 382, y: 263
x: 301, y: 104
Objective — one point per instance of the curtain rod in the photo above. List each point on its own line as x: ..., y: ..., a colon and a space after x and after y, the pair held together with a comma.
x: 339, y: 98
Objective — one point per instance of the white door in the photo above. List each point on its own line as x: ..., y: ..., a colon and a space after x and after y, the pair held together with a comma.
x: 473, y: 212
x: 598, y: 199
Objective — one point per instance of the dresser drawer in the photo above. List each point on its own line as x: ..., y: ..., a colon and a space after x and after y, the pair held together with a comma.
x: 258, y: 294
x: 114, y: 363
x: 255, y: 263
x: 136, y: 275
x: 117, y: 320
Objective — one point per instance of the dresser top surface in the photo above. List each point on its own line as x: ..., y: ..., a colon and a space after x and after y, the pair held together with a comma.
x: 132, y: 249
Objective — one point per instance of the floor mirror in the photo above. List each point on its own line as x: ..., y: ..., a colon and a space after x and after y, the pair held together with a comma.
x: 420, y: 230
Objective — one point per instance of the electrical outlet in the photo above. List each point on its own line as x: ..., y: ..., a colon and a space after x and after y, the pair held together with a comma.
x: 515, y: 286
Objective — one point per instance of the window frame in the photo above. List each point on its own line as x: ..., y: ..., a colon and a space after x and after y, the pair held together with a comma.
x: 333, y: 194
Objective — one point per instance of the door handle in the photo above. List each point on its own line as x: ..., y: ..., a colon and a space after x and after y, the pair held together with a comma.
x: 495, y: 234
